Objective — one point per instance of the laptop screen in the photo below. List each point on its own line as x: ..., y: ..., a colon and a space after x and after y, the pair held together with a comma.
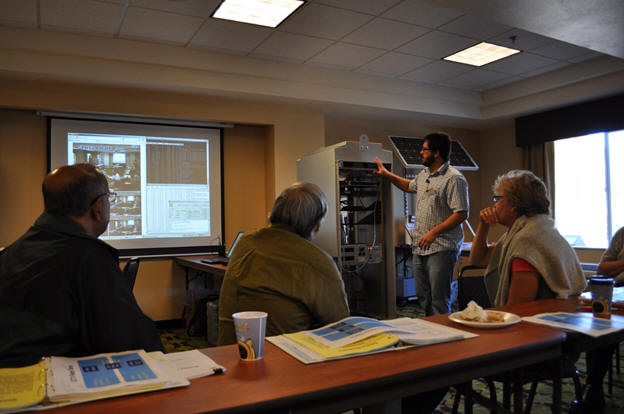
x: 238, y: 236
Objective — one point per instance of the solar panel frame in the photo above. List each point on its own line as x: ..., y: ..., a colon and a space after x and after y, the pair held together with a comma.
x: 407, y: 150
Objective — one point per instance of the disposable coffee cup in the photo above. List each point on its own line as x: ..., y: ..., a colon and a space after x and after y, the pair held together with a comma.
x: 602, y: 294
x: 250, y: 329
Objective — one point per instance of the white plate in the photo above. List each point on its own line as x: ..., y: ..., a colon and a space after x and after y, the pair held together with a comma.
x: 508, y: 319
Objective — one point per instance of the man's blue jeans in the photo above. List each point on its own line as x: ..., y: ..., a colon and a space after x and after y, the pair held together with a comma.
x: 433, y: 275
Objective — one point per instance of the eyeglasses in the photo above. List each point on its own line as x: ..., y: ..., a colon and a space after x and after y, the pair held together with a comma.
x: 426, y: 149
x: 497, y: 197
x: 112, y: 196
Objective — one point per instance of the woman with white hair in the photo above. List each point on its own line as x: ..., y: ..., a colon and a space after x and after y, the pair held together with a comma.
x: 531, y: 260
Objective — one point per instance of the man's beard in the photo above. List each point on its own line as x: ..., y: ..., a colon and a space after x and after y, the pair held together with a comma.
x: 428, y: 161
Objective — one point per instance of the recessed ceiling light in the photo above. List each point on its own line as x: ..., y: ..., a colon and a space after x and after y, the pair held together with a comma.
x: 481, y: 54
x: 262, y: 12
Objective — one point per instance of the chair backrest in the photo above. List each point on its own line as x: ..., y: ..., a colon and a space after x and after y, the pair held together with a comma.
x: 472, y: 287
x: 130, y: 270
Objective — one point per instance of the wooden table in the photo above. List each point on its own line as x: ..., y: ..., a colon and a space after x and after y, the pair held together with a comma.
x: 194, y: 262
x: 280, y: 383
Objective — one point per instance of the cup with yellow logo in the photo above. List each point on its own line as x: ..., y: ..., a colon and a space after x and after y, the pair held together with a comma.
x: 250, y: 329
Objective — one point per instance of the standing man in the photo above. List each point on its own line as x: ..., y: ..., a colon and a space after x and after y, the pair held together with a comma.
x: 441, y: 207
x: 61, y: 289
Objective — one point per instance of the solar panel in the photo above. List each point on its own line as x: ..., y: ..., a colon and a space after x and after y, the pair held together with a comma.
x: 408, y: 151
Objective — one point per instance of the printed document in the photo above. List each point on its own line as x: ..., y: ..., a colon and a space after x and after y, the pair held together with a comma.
x: 583, y: 323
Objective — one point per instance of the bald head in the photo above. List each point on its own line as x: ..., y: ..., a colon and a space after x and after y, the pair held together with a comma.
x: 72, y: 189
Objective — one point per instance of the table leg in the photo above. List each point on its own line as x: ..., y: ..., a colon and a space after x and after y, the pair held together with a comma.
x: 517, y: 391
x: 556, y: 397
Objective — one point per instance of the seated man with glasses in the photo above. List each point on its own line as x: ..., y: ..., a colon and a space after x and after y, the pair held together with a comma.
x: 61, y: 289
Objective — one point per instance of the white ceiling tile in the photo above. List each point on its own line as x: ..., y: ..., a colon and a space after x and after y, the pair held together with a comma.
x: 393, y: 64
x: 544, y: 69
x: 475, y: 27
x: 436, y: 45
x: 374, y: 7
x: 157, y: 25
x: 496, y: 84
x: 385, y: 34
x: 586, y: 56
x: 324, y: 21
x: 560, y: 50
x: 18, y: 12
x: 520, y: 63
x: 437, y: 71
x: 230, y: 36
x: 475, y: 79
x: 199, y: 8
x: 344, y: 55
x: 85, y: 15
x: 422, y: 14
x: 520, y: 39
x: 290, y: 47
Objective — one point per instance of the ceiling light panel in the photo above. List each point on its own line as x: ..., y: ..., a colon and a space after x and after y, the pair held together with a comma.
x: 261, y: 12
x: 481, y: 54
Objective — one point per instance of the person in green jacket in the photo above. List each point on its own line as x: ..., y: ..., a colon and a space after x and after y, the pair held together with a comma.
x: 279, y: 271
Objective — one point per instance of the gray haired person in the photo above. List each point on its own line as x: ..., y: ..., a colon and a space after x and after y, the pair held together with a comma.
x: 279, y: 271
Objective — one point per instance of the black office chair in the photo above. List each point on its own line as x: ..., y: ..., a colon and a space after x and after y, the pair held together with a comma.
x: 130, y: 270
x: 470, y: 286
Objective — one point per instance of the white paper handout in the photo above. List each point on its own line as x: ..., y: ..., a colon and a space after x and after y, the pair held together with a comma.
x: 586, y: 324
x: 412, y: 331
x: 189, y: 364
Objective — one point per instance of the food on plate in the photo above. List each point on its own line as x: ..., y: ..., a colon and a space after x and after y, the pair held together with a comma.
x: 493, y: 316
x: 474, y: 312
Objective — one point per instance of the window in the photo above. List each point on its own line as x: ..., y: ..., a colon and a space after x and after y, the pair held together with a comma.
x: 589, y: 188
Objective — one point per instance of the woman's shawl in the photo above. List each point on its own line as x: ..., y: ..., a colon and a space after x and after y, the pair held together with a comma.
x: 536, y: 240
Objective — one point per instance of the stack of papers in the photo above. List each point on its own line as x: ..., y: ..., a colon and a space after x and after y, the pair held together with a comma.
x: 360, y: 335
x: 60, y: 381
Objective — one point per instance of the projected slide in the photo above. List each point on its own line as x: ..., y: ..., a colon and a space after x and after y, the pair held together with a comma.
x: 162, y: 184
x: 167, y: 179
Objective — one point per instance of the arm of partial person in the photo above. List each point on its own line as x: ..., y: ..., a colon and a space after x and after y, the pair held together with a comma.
x: 610, y: 268
x: 400, y: 182
x: 523, y: 287
x: 451, y: 221
x: 480, y: 252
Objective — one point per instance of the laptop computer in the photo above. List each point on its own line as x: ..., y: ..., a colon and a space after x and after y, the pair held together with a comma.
x: 224, y: 260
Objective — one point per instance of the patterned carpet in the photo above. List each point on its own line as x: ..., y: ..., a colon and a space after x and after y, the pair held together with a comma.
x: 178, y: 340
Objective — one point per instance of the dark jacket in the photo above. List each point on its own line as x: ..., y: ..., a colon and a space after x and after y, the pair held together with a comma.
x: 62, y: 293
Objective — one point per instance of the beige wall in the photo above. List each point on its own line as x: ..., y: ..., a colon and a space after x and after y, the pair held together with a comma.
x: 22, y: 168
x: 260, y: 155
